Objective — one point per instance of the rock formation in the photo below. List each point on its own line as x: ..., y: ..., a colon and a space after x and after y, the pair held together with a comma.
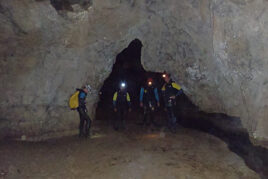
x: 214, y: 48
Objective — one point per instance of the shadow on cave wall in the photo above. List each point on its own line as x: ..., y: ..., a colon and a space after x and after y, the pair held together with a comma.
x: 67, y: 5
x: 128, y: 68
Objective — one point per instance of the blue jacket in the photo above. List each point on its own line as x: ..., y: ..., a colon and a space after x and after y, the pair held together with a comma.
x: 82, y: 98
x: 149, y: 94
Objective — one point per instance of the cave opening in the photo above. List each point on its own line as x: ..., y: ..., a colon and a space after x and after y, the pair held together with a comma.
x: 127, y: 68
x: 69, y: 5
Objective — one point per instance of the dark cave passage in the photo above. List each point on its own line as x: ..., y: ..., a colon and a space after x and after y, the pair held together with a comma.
x: 127, y: 68
x: 60, y: 5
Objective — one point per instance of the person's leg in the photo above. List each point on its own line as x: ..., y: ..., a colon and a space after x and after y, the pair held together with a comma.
x: 149, y: 119
x: 151, y: 108
x: 116, y: 120
x: 153, y: 118
x: 123, y: 117
x: 170, y: 117
x: 81, y: 125
x: 172, y: 120
x: 174, y: 116
x: 88, y: 125
x: 145, y: 115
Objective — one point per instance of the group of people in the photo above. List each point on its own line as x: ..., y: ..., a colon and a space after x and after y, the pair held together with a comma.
x: 149, y: 101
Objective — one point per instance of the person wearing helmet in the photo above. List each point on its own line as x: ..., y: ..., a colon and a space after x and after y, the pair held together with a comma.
x: 149, y: 99
x: 85, y: 121
x: 121, y: 104
x: 170, y: 91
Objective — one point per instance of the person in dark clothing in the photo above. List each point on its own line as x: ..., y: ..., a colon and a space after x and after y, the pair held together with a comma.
x: 121, y: 103
x: 85, y: 121
x: 170, y: 91
x: 149, y: 99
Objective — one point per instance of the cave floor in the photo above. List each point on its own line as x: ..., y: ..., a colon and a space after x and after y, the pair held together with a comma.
x: 188, y: 154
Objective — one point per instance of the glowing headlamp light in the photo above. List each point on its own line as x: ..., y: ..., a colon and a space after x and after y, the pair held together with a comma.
x: 150, y: 83
x: 164, y: 75
x: 123, y: 85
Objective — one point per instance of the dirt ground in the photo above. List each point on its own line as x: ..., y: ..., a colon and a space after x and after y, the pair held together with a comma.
x: 137, y: 153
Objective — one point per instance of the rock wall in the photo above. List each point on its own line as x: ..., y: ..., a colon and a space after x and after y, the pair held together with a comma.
x: 45, y: 56
x: 240, y: 39
x: 215, y: 49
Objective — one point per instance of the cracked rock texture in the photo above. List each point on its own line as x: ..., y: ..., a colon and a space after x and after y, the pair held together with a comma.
x: 214, y: 48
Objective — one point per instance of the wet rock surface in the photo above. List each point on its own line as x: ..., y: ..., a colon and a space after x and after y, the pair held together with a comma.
x: 214, y: 49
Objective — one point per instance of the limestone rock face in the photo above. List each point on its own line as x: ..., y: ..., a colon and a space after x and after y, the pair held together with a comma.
x: 240, y: 56
x: 215, y: 50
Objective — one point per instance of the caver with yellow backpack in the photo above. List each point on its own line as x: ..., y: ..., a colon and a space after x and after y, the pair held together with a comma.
x: 77, y: 102
x: 170, y: 91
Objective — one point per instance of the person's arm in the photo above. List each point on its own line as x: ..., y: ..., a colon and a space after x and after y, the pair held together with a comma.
x: 156, y: 96
x: 141, y: 95
x: 115, y: 99
x: 128, y: 100
x: 163, y: 90
x: 178, y: 88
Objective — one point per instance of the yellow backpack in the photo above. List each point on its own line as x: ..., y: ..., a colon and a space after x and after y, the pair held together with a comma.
x: 73, y: 101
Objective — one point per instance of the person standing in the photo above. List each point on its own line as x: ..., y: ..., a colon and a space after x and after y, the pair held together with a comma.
x: 121, y: 104
x: 85, y: 121
x: 170, y: 91
x: 149, y: 100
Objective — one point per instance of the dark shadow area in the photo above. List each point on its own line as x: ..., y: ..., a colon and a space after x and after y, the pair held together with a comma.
x: 128, y: 68
x: 60, y: 5
x: 230, y: 130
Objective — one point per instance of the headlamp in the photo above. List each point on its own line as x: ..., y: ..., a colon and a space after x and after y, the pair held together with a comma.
x: 88, y: 87
x: 164, y: 75
x: 123, y: 84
